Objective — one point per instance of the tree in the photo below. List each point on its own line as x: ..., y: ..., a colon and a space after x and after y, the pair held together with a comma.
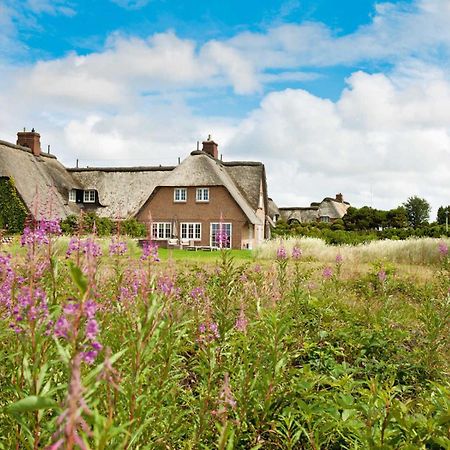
x: 397, y: 218
x: 417, y: 211
x: 441, y: 214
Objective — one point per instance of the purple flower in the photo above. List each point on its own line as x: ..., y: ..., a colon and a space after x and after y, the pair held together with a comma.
x: 443, y: 248
x: 208, y: 331
x: 117, y: 248
x: 241, y: 322
x: 150, y: 251
x: 327, y: 273
x: 92, y: 329
x: 296, y: 253
x: 382, y: 276
x: 281, y: 253
x: 339, y: 258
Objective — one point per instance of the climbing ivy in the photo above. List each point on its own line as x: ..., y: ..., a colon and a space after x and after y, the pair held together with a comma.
x: 13, y: 211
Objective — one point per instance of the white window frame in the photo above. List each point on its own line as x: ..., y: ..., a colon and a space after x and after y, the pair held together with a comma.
x: 73, y: 195
x: 89, y: 196
x: 202, y: 195
x: 180, y: 195
x: 161, y: 231
x: 191, y: 231
x: 325, y: 219
x: 212, y: 234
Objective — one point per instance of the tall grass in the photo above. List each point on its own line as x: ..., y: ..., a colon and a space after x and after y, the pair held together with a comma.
x: 410, y: 251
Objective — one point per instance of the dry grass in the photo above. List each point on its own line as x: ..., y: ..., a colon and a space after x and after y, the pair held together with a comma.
x: 415, y: 251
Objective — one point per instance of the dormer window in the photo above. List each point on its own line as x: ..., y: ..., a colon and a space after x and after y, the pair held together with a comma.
x: 180, y: 195
x: 202, y: 195
x: 89, y: 196
x: 72, y: 195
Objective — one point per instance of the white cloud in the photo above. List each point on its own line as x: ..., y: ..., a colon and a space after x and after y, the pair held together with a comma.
x: 387, y: 137
x: 52, y: 7
x: 131, y: 4
x: 381, y: 141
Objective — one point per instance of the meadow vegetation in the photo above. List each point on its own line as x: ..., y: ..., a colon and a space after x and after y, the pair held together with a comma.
x: 105, y: 345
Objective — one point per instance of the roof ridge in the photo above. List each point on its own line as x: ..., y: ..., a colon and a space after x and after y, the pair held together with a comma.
x: 25, y: 149
x: 121, y: 169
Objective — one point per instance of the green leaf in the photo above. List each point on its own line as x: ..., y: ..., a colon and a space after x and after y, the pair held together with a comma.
x: 78, y: 277
x: 346, y: 414
x: 31, y: 403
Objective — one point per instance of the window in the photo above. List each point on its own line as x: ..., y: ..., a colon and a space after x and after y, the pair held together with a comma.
x: 221, y: 235
x: 180, y: 195
x: 89, y: 196
x: 191, y: 231
x: 72, y: 195
x: 161, y: 230
x: 325, y: 219
x: 202, y: 195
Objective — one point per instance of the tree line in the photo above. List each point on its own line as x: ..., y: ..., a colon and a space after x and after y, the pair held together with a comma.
x: 411, y: 218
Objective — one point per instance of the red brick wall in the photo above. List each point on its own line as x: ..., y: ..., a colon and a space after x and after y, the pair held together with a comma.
x: 163, y: 208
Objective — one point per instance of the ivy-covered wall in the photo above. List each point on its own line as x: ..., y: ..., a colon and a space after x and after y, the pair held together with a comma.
x: 13, y: 211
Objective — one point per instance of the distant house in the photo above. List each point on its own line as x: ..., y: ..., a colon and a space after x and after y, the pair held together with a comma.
x: 188, y: 204
x: 328, y: 210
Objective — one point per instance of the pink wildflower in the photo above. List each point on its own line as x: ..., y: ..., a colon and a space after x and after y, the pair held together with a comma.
x: 382, y: 276
x: 241, y: 321
x: 296, y: 253
x: 327, y: 273
x: 443, y: 248
x: 281, y: 253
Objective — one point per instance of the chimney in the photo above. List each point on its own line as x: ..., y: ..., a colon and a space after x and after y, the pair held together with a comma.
x: 210, y: 147
x: 30, y: 139
x: 339, y: 198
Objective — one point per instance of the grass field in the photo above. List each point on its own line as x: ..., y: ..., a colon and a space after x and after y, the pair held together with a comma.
x: 296, y: 345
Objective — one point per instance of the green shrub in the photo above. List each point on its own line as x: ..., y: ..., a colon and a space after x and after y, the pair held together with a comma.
x: 13, y: 212
x: 133, y: 228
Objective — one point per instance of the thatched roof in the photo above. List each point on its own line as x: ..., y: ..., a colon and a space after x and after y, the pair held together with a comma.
x: 122, y: 191
x: 302, y: 215
x: 201, y: 169
x: 273, y: 208
x: 42, y: 182
x: 328, y: 207
x: 333, y: 209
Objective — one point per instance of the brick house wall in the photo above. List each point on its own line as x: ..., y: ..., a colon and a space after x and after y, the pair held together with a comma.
x: 162, y: 207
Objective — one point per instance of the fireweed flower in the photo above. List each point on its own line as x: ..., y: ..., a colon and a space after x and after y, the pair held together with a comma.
x: 117, y: 247
x: 381, y: 276
x: 222, y: 237
x: 241, y: 322
x: 71, y: 422
x: 31, y: 307
x: 75, y: 319
x: 150, y: 251
x: 281, y: 253
x: 443, y: 248
x: 208, y: 332
x: 226, y: 400
x: 296, y: 253
x: 39, y: 232
x: 7, y: 277
x: 87, y: 246
x: 327, y: 273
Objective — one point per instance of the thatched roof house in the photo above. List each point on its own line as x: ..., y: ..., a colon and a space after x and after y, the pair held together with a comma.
x: 41, y: 181
x: 189, y: 202
x: 328, y: 210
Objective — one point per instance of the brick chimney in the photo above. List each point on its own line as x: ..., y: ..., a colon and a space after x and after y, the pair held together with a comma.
x: 210, y: 147
x: 339, y: 198
x: 30, y: 139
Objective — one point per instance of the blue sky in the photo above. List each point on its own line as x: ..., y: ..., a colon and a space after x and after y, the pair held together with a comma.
x: 347, y: 96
